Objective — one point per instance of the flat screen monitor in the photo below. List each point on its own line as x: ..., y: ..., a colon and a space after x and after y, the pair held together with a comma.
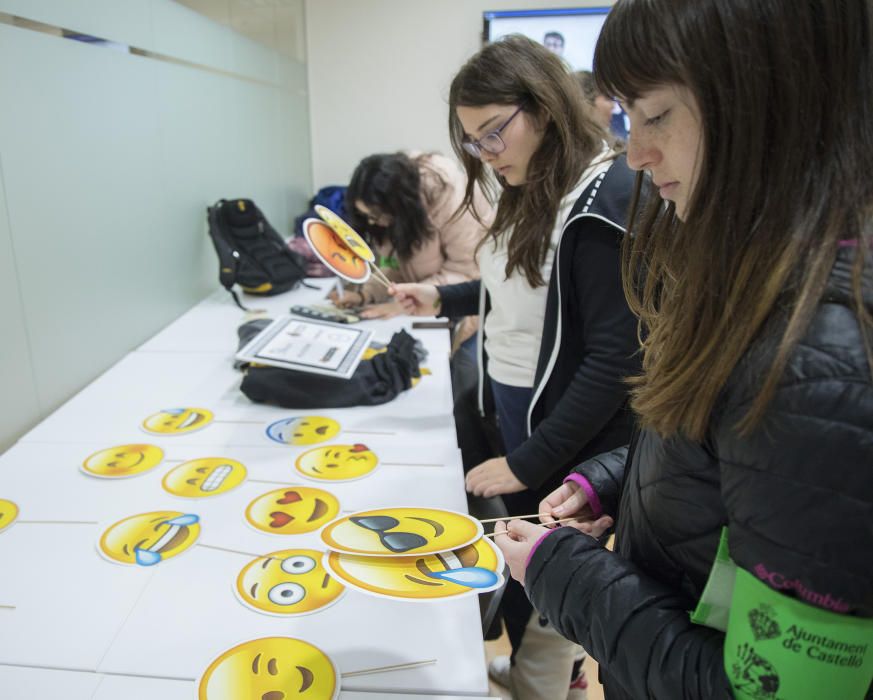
x: 570, y: 32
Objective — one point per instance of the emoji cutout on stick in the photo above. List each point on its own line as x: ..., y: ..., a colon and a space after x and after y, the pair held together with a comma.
x: 149, y: 538
x: 347, y: 233
x: 292, y: 510
x: 177, y: 421
x: 271, y: 668
x: 204, y: 477
x: 122, y: 461
x: 475, y: 568
x: 8, y: 513
x: 334, y: 252
x: 303, y: 430
x: 401, y: 532
x: 337, y: 462
x: 290, y: 582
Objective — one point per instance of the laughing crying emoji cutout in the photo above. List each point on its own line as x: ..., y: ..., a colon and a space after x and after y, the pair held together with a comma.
x: 207, y: 476
x: 290, y: 582
x: 337, y: 462
x: 271, y: 668
x: 8, y: 513
x: 149, y: 538
x: 469, y: 570
x: 122, y: 461
x: 303, y: 430
x: 292, y: 510
x: 177, y: 421
x: 401, y: 532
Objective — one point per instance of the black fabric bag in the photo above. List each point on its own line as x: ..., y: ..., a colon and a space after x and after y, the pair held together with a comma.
x: 250, y: 251
x: 375, y: 381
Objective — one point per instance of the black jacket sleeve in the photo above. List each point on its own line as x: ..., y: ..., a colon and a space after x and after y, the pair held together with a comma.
x: 638, y: 629
x: 605, y: 473
x: 597, y: 390
x: 460, y: 299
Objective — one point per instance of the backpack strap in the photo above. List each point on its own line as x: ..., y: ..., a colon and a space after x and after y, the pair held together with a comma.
x: 228, y: 257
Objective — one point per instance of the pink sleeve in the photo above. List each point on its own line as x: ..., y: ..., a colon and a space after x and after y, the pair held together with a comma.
x: 537, y: 544
x: 585, y: 485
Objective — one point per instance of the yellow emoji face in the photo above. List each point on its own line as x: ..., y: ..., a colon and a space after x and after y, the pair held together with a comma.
x: 401, y: 532
x: 8, y: 513
x: 177, y: 421
x: 149, y: 538
x: 337, y: 462
x: 292, y: 510
x: 469, y: 570
x: 122, y: 461
x: 303, y: 430
x: 290, y: 582
x: 271, y: 668
x: 207, y: 476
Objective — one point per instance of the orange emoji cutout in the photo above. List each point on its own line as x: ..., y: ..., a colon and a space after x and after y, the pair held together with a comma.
x: 334, y: 252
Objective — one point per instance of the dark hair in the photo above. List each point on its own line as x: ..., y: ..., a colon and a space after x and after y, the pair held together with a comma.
x: 391, y: 183
x: 785, y: 95
x: 519, y: 71
x: 554, y: 35
x: 586, y: 81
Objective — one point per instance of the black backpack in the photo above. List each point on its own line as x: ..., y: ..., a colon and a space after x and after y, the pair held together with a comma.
x: 250, y: 251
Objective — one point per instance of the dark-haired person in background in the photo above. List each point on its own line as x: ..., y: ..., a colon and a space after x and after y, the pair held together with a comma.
x: 753, y: 278
x: 558, y: 336
x: 410, y: 208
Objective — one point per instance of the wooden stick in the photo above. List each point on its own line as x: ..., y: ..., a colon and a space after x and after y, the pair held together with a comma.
x: 7, y: 607
x: 369, y: 432
x: 409, y: 464
x: 380, y: 275
x: 395, y: 667
x: 563, y: 520
x: 225, y: 549
x: 514, y: 517
x: 57, y: 522
x: 255, y: 422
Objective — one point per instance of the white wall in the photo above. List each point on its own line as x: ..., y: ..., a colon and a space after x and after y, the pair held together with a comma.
x: 107, y: 162
x: 380, y: 71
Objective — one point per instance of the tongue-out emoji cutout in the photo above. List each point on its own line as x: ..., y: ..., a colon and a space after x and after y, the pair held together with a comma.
x: 292, y: 510
x: 337, y: 462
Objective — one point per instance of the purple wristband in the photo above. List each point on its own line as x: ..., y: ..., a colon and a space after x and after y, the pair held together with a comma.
x: 537, y: 544
x: 585, y: 485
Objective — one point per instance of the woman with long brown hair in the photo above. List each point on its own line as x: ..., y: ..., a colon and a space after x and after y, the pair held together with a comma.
x: 747, y: 496
x: 558, y: 337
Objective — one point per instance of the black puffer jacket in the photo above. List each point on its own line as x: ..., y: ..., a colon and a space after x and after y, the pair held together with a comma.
x: 797, y: 496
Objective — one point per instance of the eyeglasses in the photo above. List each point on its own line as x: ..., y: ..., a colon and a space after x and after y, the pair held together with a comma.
x: 395, y: 541
x: 491, y: 143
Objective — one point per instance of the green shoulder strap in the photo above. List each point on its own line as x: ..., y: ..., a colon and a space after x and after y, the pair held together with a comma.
x: 780, y: 648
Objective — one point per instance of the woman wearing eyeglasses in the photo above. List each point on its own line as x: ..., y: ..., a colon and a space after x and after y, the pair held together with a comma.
x: 558, y: 337
x: 409, y: 205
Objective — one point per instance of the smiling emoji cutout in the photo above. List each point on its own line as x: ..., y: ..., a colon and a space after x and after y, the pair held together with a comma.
x: 334, y: 252
x: 204, y: 477
x: 290, y: 582
x: 8, y: 513
x: 476, y: 568
x: 149, y: 538
x: 271, y: 668
x: 122, y: 461
x: 303, y: 430
x: 401, y: 532
x: 177, y: 421
x: 292, y: 510
x: 337, y: 462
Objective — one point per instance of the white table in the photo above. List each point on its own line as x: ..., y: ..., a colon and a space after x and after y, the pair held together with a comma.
x: 74, y: 620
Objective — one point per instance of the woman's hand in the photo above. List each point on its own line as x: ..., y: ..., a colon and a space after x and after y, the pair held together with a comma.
x: 492, y: 478
x: 389, y: 309
x: 417, y: 299
x: 568, y: 501
x: 517, y: 538
x: 348, y: 300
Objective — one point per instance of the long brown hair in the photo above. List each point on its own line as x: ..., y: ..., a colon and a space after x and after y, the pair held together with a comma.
x: 518, y: 71
x: 785, y: 93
